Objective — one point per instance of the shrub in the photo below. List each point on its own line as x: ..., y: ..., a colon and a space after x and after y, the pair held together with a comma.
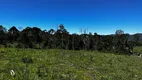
x: 27, y: 60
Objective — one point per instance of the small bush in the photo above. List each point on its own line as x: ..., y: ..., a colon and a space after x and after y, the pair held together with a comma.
x: 27, y: 60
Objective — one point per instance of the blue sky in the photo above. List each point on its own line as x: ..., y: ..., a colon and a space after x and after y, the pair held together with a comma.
x: 101, y: 16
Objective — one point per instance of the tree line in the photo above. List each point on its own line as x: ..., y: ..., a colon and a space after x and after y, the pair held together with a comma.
x: 34, y: 37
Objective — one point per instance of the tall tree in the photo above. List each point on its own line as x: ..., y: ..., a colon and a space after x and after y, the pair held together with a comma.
x: 13, y: 34
x: 62, y: 36
x: 119, y: 32
x: 3, y: 35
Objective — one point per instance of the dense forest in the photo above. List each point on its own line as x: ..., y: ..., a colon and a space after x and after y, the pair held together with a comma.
x: 34, y: 37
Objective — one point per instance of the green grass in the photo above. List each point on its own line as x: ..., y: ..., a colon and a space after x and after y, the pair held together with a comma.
x: 138, y: 49
x: 56, y: 64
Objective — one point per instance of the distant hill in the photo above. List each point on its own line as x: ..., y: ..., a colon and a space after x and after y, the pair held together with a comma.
x: 131, y: 37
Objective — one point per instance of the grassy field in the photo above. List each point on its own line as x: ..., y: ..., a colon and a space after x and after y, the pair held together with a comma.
x: 138, y: 49
x: 30, y: 64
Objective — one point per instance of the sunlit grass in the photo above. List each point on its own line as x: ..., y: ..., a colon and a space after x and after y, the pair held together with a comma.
x: 57, y: 64
x: 138, y: 49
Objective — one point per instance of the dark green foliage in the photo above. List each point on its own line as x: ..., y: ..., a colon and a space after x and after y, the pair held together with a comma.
x: 34, y: 37
x: 13, y: 34
x: 3, y: 35
x: 27, y: 60
x: 42, y: 71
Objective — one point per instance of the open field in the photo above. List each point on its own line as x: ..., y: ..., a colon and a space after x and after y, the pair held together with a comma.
x: 138, y: 49
x: 53, y: 64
